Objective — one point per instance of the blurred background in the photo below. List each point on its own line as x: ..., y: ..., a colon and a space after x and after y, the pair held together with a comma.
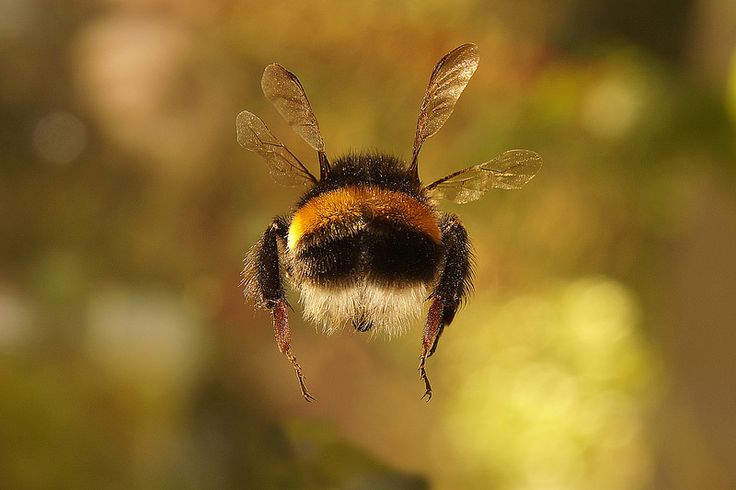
x: 598, y: 350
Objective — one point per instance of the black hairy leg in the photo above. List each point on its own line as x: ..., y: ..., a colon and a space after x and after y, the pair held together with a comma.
x: 453, y: 286
x: 267, y: 280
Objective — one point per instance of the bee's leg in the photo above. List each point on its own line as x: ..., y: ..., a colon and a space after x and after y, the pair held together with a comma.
x: 454, y: 284
x: 268, y: 281
x: 432, y: 330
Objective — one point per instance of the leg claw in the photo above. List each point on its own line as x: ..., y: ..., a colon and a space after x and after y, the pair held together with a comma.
x: 423, y: 376
x: 305, y: 392
x: 300, y: 376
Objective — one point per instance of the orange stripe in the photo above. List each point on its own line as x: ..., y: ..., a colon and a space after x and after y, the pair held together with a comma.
x: 350, y: 203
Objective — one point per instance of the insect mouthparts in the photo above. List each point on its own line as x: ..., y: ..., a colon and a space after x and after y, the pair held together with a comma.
x: 362, y: 325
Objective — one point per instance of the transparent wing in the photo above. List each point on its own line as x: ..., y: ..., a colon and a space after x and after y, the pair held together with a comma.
x: 286, y: 93
x: 285, y: 168
x: 448, y: 80
x: 510, y: 170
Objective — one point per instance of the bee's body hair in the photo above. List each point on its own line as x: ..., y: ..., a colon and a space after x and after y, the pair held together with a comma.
x: 364, y: 246
x: 375, y: 169
x: 364, y: 305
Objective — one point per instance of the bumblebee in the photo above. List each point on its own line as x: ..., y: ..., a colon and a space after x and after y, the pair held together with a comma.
x: 366, y: 246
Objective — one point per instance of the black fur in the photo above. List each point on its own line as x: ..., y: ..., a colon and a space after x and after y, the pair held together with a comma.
x: 457, y: 273
x: 268, y: 265
x: 398, y: 253
x: 374, y: 169
x: 332, y: 260
x: 386, y: 252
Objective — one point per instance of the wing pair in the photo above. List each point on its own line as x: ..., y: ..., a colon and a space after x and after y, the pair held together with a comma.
x: 510, y: 170
x: 286, y: 93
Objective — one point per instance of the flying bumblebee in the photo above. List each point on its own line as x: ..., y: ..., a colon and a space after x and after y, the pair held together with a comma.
x: 366, y: 246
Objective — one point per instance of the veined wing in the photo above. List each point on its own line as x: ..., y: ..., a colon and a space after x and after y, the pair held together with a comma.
x: 448, y: 80
x: 510, y: 170
x: 286, y: 169
x: 287, y: 94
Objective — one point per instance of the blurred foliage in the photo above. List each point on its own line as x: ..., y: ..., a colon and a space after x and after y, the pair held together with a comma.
x: 568, y: 387
x: 597, y: 351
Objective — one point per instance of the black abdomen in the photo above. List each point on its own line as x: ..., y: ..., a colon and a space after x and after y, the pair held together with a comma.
x: 380, y: 250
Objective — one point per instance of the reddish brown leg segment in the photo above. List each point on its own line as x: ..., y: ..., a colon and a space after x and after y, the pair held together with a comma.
x: 431, y: 332
x: 449, y: 292
x: 283, y: 340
